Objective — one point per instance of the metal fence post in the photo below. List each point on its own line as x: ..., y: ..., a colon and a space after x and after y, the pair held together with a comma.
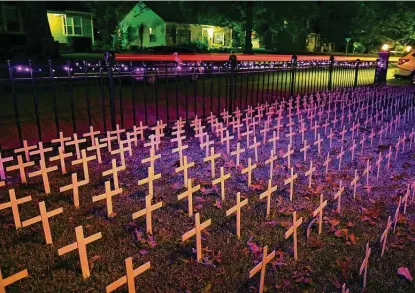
x: 382, y: 67
x: 356, y: 72
x: 331, y: 67
x: 293, y: 67
x: 15, y: 102
x: 232, y: 59
x: 109, y: 58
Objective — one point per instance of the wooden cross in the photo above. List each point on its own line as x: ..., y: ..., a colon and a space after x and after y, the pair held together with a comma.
x: 184, y: 167
x: 114, y: 172
x: 237, y: 210
x: 13, y: 204
x: 293, y: 231
x: 179, y: 150
x: 290, y: 134
x: 318, y: 143
x: 304, y: 149
x: 75, y: 188
x: 327, y: 162
x: 121, y: 151
x: 147, y: 211
x: 354, y: 183
x: 97, y: 148
x: 91, y: 134
x: 44, y: 218
x: 268, y: 194
x: 26, y: 149
x: 76, y: 142
x: 342, y: 133
x: 189, y: 194
x: 107, y: 195
x: 367, y: 171
x: 84, y: 161
x: 274, y: 140
x: 362, y: 142
x: 207, y: 144
x: 221, y: 180
x: 247, y: 133
x: 249, y: 170
x: 237, y: 152
x: 149, y: 180
x: 80, y: 244
x: 290, y: 181
x: 44, y: 173
x: 264, y: 132
x: 288, y: 154
x: 309, y: 173
x: 152, y: 158
x: 384, y: 236
x: 270, y: 161
x: 61, y: 157
x: 352, y: 148
x: 129, y: 277
x: 340, y: 156
x: 11, y: 279
x: 266, y: 258
x: 319, y: 212
x: 197, y: 231
x: 139, y: 131
x: 344, y: 289
x: 302, y: 130
x: 227, y: 139
x: 371, y: 136
x: 118, y: 132
x: 255, y: 146
x: 3, y: 160
x: 21, y: 167
x: 338, y: 196
x: 109, y: 140
x: 212, y: 158
x: 365, y: 264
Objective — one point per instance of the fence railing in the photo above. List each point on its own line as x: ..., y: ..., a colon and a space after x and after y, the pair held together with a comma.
x: 39, y: 101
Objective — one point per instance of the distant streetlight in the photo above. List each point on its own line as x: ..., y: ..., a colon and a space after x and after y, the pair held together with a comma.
x: 347, y: 44
x: 408, y: 49
x: 385, y: 47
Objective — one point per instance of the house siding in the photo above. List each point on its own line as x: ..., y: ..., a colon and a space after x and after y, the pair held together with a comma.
x: 56, y: 27
x: 137, y: 16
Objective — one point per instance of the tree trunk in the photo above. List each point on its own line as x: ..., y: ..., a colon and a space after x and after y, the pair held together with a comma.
x: 248, y: 29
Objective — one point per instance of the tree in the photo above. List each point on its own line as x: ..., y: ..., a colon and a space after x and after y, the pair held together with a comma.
x: 248, y: 28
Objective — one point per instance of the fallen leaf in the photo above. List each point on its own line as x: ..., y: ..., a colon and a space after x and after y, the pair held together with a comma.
x: 404, y: 272
x: 92, y: 260
x: 218, y: 204
x: 309, y: 227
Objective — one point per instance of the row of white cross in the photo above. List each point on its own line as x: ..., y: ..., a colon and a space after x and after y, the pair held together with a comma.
x: 218, y: 129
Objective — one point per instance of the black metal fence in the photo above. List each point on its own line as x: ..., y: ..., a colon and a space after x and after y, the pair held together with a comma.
x: 39, y: 101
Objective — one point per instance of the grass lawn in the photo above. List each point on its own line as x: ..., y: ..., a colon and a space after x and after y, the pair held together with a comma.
x: 325, y: 262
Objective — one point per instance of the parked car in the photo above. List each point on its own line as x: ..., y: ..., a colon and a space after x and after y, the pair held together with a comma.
x: 406, y: 67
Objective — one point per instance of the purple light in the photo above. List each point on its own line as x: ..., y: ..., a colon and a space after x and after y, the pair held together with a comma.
x: 19, y: 68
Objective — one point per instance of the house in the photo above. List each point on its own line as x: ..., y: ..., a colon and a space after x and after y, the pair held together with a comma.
x: 163, y: 24
x: 72, y: 29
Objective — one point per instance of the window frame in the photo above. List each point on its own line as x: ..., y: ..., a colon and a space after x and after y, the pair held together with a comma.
x: 65, y: 26
x: 19, y: 16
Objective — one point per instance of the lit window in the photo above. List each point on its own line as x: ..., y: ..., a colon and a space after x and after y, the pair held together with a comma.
x: 150, y: 30
x: 73, y: 25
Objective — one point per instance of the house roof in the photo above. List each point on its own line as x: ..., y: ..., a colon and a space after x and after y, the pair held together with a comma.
x: 171, y: 11
x: 72, y: 6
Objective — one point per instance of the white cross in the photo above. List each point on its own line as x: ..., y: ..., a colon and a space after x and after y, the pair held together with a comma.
x: 302, y: 130
x: 293, y: 231
x: 309, y: 173
x: 75, y: 188
x: 184, y: 167
x: 149, y: 180
x: 304, y: 149
x: 207, y: 144
x: 227, y: 139
x: 180, y: 148
x: 114, y: 172
x: 352, y: 148
x: 255, y: 146
x: 97, y: 148
x: 41, y: 151
x: 13, y: 204
x: 249, y: 170
x: 109, y: 140
x: 340, y: 156
x: 354, y: 183
x: 91, y: 134
x: 290, y: 180
x: 197, y: 231
x: 274, y: 140
x: 221, y: 180
x: 388, y: 156
x: 44, y: 173
x: 84, y: 161
x: 107, y: 195
x: 365, y: 264
x: 330, y: 137
x: 80, y: 244
x: 212, y: 158
x: 152, y: 158
x: 338, y: 196
x: 75, y: 142
x: 121, y: 151
x: 270, y: 161
x: 247, y: 133
x: 61, y: 157
x: 26, y: 149
x: 288, y: 154
x: 60, y: 140
x: 139, y: 131
x: 44, y: 218
x: 21, y: 167
x: 319, y: 212
x: 266, y: 258
x: 118, y: 132
x: 237, y: 153
x: 367, y: 171
x: 318, y: 143
x: 384, y: 236
x: 11, y: 279
x: 129, y: 277
x: 268, y: 194
x: 237, y: 210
